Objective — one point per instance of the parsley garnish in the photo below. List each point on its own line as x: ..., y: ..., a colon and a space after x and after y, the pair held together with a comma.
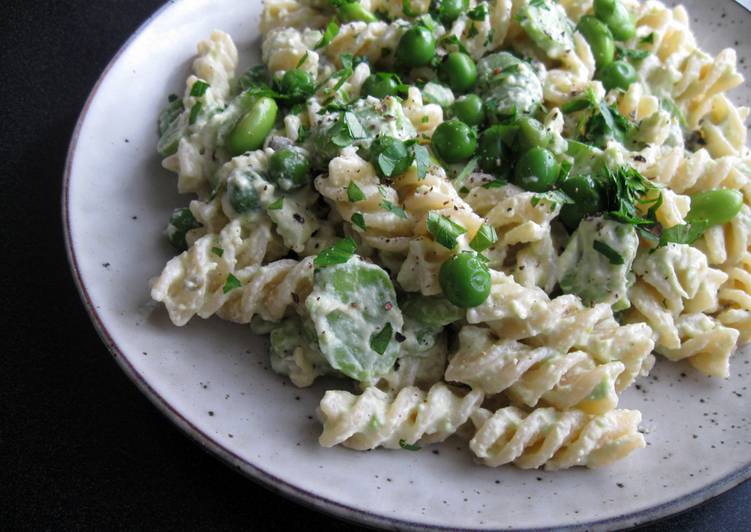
x: 496, y: 183
x: 219, y: 252
x: 354, y: 193
x: 278, y: 204
x: 407, y: 8
x: 394, y: 209
x: 199, y: 88
x: 687, y: 233
x: 346, y: 130
x: 625, y: 188
x: 444, y: 230
x: 257, y: 75
x: 612, y: 255
x: 407, y: 446
x: 485, y: 237
x: 455, y: 41
x: 649, y: 39
x: 339, y: 253
x: 630, y: 53
x: 303, y: 59
x: 331, y: 31
x: 470, y: 167
x: 359, y: 220
x: 380, y: 340
x: 671, y: 107
x: 478, y: 13
x: 422, y: 160
x: 231, y: 283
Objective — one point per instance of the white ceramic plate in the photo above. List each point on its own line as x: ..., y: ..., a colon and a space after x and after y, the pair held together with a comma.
x: 211, y: 378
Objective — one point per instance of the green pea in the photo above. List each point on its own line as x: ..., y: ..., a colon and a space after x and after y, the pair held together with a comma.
x: 459, y: 71
x: 454, y: 141
x: 390, y: 156
x: 181, y: 221
x: 251, y: 131
x: 416, y: 47
x: 616, y: 16
x: 380, y: 85
x: 298, y: 85
x: 493, y: 148
x: 537, y: 170
x: 465, y: 280
x: 600, y: 39
x: 243, y: 195
x: 450, y: 10
x: 290, y: 169
x: 717, y: 207
x: 587, y: 197
x: 618, y: 75
x: 353, y: 11
x: 469, y: 109
x: 532, y: 134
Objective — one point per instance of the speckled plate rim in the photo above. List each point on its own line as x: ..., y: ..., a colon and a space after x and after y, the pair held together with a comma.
x: 254, y: 471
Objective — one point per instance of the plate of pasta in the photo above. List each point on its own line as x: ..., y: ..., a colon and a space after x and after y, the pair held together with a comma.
x: 502, y: 245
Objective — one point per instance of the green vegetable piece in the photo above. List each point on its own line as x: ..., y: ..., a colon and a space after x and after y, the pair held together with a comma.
x: 448, y: 11
x: 716, y: 207
x: 199, y: 88
x: 291, y: 339
x: 469, y: 109
x: 329, y: 34
x: 232, y: 283
x: 251, y: 131
x: 242, y: 192
x: 587, y: 198
x: 354, y: 193
x: 433, y: 311
x: 444, y: 230
x: 380, y: 85
x: 459, y: 71
x: 416, y: 47
x: 171, y: 127
x: 391, y: 157
x: 181, y: 221
x: 454, y: 141
x: 354, y: 11
x: 359, y: 220
x: 290, y: 169
x: 298, y: 85
x: 600, y: 40
x: 493, y: 149
x: 537, y: 170
x: 616, y: 16
x: 618, y: 75
x: 532, y: 134
x: 508, y: 86
x: 353, y: 307
x: 485, y: 237
x: 596, y: 263
x: 465, y: 280
x: 548, y: 26
x: 254, y: 77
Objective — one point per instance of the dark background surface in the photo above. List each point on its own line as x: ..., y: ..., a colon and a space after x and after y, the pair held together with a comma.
x: 80, y: 447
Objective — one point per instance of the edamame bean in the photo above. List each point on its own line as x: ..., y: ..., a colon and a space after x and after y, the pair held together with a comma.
x: 289, y: 169
x: 537, y: 170
x: 353, y: 11
x: 618, y: 75
x: 465, y: 280
x: 459, y: 71
x: 298, y: 85
x: 450, y: 10
x: 616, y: 16
x: 454, y: 141
x: 380, y: 85
x: 469, y: 109
x: 717, y: 207
x: 253, y: 128
x: 600, y: 39
x: 416, y: 47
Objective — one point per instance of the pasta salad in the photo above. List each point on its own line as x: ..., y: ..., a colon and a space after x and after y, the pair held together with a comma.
x: 484, y: 218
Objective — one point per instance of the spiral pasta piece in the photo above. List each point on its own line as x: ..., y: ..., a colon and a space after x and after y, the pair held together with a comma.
x: 576, y: 71
x: 530, y: 375
x: 726, y: 245
x: 192, y: 283
x: 376, y: 419
x: 735, y: 298
x: 425, y: 117
x: 284, y: 48
x: 290, y: 14
x: 377, y: 41
x: 514, y: 312
x: 554, y: 439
